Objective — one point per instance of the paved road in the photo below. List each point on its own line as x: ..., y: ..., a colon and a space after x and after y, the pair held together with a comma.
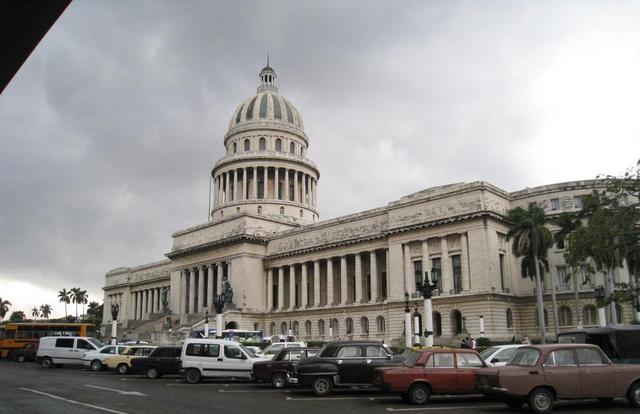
x: 27, y: 388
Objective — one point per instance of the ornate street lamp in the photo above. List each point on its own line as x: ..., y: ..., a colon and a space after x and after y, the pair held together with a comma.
x: 115, y: 309
x: 206, y: 322
x: 219, y: 305
x: 407, y: 321
x: 417, y: 326
x: 427, y: 292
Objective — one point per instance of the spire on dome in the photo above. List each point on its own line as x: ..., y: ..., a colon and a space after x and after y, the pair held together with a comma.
x: 268, y: 78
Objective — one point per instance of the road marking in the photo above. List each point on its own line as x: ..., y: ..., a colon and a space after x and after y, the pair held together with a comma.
x: 445, y: 408
x: 136, y: 393
x: 338, y: 398
x: 97, y: 407
x: 285, y: 391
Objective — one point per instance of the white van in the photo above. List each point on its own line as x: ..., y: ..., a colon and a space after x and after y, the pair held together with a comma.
x: 67, y: 350
x: 271, y: 351
x: 203, y: 358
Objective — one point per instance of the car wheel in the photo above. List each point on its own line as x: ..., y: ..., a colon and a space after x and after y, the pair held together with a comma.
x: 514, y: 403
x: 21, y: 358
x: 634, y: 395
x: 96, y: 365
x: 192, y: 376
x: 419, y: 394
x: 123, y: 369
x: 540, y: 401
x: 278, y: 380
x: 322, y: 386
x: 153, y: 373
x: 46, y: 362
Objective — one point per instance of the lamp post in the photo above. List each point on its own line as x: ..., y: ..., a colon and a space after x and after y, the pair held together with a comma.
x: 407, y: 321
x: 219, y: 305
x: 602, y: 318
x: 115, y: 308
x: 417, y: 326
x: 427, y: 292
x: 481, y: 326
x: 290, y: 332
x: 206, y: 322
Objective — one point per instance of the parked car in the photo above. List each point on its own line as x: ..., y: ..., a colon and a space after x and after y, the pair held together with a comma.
x: 26, y: 353
x: 203, y: 358
x: 621, y: 344
x: 64, y: 350
x: 270, y: 351
x: 499, y: 355
x: 162, y: 360
x: 540, y: 374
x: 343, y: 363
x: 434, y: 371
x: 122, y: 362
x: 278, y: 369
x: 95, y: 359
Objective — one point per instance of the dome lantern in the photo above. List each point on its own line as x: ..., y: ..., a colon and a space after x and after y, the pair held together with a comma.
x: 268, y: 78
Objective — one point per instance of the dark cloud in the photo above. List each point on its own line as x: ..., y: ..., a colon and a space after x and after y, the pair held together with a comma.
x: 110, y: 129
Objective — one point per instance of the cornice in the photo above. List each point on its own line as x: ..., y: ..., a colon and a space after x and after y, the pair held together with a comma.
x: 265, y: 156
x: 243, y: 238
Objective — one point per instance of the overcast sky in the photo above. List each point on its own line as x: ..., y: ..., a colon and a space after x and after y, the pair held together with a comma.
x: 109, y: 131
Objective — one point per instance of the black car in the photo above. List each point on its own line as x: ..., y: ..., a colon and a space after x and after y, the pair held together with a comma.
x: 278, y: 369
x: 26, y: 353
x: 343, y: 363
x: 163, y: 360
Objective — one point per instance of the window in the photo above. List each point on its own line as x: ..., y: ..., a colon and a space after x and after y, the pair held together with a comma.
x: 232, y: 352
x: 301, y: 213
x: 239, y: 113
x: 64, y: 343
x: 375, y: 351
x: 263, y: 106
x: 555, y: 204
x: 503, y: 285
x: 166, y: 353
x: 525, y: 356
x: 589, y: 315
x: 294, y: 355
x: 561, y: 358
x: 417, y: 273
x: 282, y: 211
x: 436, y: 267
x: 279, y: 145
x: 307, y: 328
x: 562, y: 276
x: 262, y: 144
x: 565, y: 315
x: 272, y: 328
x: 503, y: 356
x: 205, y: 350
x: 577, y: 202
x: 247, y: 145
x: 440, y: 360
x: 456, y: 265
x: 537, y: 319
x: 235, y: 147
x: 350, y: 352
x: 321, y: 327
x: 109, y: 350
x: 296, y: 327
x: 509, y: 318
x: 292, y: 147
x: 380, y: 323
x: 588, y: 356
x: 277, y: 110
x: 469, y: 361
x: 349, y: 324
x: 456, y: 322
x: 274, y: 349
x: 364, y: 325
x: 259, y: 209
x: 335, y: 325
x: 250, y: 108
x: 437, y: 324
x: 82, y: 344
x: 289, y: 113
x: 283, y: 328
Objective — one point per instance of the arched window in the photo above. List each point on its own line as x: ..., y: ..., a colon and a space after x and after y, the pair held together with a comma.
x: 321, y: 327
x: 281, y: 211
x: 307, y: 328
x: 589, y: 315
x: 277, y: 111
x: 302, y: 151
x: 272, y: 328
x: 292, y: 147
x: 509, y: 318
x: 437, y: 324
x: 279, y: 145
x: 380, y: 323
x: 247, y: 145
x: 565, y: 315
x: 221, y: 213
x: 283, y: 328
x: 237, y: 209
x: 301, y: 213
x: 364, y: 325
x: 250, y: 108
x: 259, y: 209
x: 335, y: 326
x: 546, y: 318
x: 456, y: 322
x: 296, y: 328
x: 262, y: 144
x: 263, y: 106
x: 235, y: 147
x: 349, y: 325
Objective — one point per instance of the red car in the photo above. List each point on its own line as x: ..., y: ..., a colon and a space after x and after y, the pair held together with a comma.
x: 434, y: 371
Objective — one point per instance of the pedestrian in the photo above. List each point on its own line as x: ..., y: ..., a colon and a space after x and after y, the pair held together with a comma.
x: 474, y: 345
x: 464, y: 344
x: 526, y: 340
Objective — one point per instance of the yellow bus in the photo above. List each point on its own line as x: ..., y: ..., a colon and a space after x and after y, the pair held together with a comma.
x: 17, y: 335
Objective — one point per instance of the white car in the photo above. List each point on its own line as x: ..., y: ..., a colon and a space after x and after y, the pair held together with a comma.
x: 499, y: 355
x: 95, y: 359
x: 270, y: 351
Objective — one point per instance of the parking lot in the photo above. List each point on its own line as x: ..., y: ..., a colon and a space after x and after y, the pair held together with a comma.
x: 28, y: 388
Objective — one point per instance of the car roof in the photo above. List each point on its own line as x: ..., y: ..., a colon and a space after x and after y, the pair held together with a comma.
x: 546, y: 347
x: 347, y: 342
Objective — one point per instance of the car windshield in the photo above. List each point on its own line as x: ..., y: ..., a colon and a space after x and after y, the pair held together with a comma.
x: 411, y: 360
x: 488, y: 352
x: 527, y: 357
x: 96, y: 342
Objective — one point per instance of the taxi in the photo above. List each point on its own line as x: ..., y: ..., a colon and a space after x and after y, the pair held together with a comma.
x: 122, y: 362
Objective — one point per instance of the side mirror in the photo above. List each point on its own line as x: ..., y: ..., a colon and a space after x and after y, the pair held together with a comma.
x: 494, y: 360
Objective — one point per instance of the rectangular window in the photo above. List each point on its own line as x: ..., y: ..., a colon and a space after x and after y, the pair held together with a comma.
x: 502, y: 280
x: 383, y: 285
x: 577, y: 201
x: 436, y: 267
x: 64, y: 343
x: 555, y: 204
x: 456, y: 265
x: 417, y: 273
x: 562, y: 276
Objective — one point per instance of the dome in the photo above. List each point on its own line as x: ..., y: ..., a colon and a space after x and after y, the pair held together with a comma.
x: 266, y: 105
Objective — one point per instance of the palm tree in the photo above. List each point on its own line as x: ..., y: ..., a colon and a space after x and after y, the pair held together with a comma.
x: 35, y: 312
x: 531, y: 239
x: 567, y: 225
x: 4, y: 308
x: 84, y: 299
x: 65, y: 297
x: 75, y: 295
x: 45, y: 310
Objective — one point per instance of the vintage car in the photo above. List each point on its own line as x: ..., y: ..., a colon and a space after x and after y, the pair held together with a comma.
x: 343, y: 363
x: 162, y: 360
x: 499, y: 355
x: 26, y: 353
x: 541, y: 374
x: 94, y: 359
x: 278, y: 369
x: 434, y: 371
x: 122, y: 362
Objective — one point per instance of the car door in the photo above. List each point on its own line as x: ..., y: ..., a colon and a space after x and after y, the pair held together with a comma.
x: 595, y: 374
x: 562, y: 373
x: 375, y: 356
x: 440, y: 370
x: 63, y: 351
x: 82, y: 347
x: 466, y: 366
x: 350, y: 361
x: 236, y: 363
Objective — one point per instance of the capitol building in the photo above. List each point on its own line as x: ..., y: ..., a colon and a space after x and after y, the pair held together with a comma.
x: 351, y: 276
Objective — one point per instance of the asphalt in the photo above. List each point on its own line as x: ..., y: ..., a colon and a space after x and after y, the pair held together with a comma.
x: 27, y: 388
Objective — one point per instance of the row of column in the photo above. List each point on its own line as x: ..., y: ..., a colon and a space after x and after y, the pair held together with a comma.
x: 200, y: 285
x: 147, y: 301
x: 349, y: 279
x: 250, y: 183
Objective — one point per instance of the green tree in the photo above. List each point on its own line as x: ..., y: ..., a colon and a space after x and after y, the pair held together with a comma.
x: 531, y: 240
x: 567, y: 224
x: 84, y: 299
x: 4, y: 308
x: 94, y: 312
x: 35, y: 312
x: 17, y: 316
x: 76, y: 296
x: 45, y: 311
x: 65, y: 298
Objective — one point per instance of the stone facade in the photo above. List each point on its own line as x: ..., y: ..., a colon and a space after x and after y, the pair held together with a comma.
x: 349, y: 276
